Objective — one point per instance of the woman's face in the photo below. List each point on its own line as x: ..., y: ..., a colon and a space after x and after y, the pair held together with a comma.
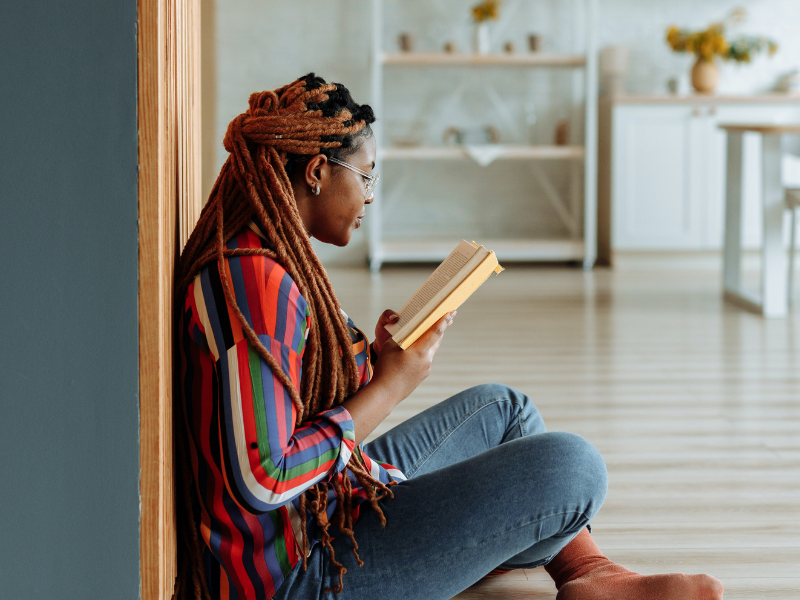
x: 336, y: 212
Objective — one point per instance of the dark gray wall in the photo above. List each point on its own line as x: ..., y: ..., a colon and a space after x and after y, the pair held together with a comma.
x: 69, y: 502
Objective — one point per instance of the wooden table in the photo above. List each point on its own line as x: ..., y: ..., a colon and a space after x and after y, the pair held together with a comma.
x: 773, y: 299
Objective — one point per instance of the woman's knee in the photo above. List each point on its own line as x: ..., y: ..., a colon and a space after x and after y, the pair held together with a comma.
x: 577, y: 466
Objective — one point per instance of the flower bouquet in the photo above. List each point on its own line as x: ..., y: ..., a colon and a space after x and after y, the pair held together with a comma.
x: 482, y: 13
x: 711, y: 43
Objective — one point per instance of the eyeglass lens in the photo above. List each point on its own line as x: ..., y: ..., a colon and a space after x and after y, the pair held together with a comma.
x: 369, y: 185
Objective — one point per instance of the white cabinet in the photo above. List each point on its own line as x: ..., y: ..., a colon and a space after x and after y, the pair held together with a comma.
x: 656, y: 175
x: 665, y: 182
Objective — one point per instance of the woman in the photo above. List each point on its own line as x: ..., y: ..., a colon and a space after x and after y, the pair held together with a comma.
x: 280, y: 499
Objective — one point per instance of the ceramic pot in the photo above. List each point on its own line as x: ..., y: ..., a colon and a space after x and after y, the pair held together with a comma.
x: 705, y: 76
x: 480, y: 38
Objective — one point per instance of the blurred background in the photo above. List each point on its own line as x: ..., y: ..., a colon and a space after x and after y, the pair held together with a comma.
x: 255, y: 45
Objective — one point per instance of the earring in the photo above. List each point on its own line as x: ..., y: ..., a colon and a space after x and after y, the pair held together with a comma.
x: 315, y: 189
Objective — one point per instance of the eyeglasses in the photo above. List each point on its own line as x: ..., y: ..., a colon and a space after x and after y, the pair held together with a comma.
x: 369, y: 180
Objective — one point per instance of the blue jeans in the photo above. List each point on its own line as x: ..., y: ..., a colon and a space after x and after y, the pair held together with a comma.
x: 487, y: 486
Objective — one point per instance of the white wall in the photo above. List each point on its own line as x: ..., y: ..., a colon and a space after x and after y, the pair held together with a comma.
x: 262, y: 44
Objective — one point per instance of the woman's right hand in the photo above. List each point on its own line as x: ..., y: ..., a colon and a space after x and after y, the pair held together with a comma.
x: 401, y: 371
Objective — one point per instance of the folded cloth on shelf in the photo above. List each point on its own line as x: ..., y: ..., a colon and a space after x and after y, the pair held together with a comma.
x: 485, y: 154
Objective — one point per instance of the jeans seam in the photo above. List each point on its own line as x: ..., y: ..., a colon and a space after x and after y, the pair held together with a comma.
x: 424, y: 458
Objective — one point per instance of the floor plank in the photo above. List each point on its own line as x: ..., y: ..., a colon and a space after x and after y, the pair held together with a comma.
x: 694, y: 404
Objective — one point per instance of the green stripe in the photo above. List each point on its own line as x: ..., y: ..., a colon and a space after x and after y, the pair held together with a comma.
x: 258, y: 404
x: 302, y: 469
x: 280, y: 543
x: 263, y: 432
x: 303, y: 328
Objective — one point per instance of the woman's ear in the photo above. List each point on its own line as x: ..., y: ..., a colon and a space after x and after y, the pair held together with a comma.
x: 317, y: 171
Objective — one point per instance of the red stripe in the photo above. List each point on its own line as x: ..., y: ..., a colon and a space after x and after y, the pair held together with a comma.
x: 270, y: 297
x: 288, y: 534
x: 291, y: 315
x: 258, y: 553
x: 252, y: 272
x: 295, y: 370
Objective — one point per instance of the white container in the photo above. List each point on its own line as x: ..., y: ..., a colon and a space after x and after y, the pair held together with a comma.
x: 480, y: 38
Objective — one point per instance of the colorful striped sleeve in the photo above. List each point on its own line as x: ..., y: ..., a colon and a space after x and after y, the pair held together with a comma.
x: 268, y: 460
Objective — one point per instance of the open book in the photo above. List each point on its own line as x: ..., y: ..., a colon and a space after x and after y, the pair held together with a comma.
x: 453, y: 281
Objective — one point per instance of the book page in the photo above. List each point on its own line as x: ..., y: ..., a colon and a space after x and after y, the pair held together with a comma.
x: 454, y: 299
x: 438, y: 279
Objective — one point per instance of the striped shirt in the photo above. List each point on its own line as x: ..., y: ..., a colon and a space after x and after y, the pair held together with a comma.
x: 250, y: 460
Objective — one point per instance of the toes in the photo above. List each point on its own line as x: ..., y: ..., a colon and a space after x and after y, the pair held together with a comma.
x: 714, y: 587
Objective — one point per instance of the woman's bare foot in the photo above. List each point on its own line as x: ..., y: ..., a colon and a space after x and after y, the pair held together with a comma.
x: 581, y: 572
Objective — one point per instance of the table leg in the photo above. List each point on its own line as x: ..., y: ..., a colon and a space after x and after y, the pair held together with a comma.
x: 732, y: 249
x: 773, y: 265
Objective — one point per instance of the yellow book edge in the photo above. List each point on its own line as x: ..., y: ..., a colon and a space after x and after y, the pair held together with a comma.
x: 456, y: 298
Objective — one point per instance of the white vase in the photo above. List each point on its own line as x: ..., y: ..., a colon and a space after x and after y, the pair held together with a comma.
x: 480, y: 38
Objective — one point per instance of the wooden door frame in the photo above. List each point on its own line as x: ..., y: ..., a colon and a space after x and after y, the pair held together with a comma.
x: 168, y: 43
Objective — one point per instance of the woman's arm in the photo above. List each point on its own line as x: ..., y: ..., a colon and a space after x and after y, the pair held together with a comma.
x: 267, y: 459
x: 397, y: 373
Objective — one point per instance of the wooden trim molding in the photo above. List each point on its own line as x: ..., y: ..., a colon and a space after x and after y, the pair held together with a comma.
x: 169, y: 203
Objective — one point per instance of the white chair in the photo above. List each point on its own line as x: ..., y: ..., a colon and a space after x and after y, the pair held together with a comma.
x: 792, y: 200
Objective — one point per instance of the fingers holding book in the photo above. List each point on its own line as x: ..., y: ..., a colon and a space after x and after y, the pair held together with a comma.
x: 432, y: 339
x: 388, y: 317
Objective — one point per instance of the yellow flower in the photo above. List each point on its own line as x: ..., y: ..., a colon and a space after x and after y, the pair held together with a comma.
x: 711, y: 42
x: 490, y: 9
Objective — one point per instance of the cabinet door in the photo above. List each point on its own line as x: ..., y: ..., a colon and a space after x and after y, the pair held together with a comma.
x: 657, y: 187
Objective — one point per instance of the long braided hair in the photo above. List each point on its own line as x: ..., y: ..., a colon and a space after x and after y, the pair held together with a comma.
x: 280, y: 129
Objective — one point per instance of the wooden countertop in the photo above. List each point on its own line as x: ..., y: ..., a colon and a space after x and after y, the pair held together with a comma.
x: 761, y: 128
x: 788, y: 98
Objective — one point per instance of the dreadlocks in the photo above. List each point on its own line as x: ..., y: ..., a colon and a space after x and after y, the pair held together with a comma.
x: 280, y: 129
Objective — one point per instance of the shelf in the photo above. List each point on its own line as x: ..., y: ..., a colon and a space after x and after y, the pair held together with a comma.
x: 459, y: 152
x: 579, y: 61
x: 773, y: 98
x: 436, y: 250
x: 532, y: 59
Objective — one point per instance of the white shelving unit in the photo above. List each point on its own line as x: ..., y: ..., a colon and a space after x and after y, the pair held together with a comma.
x: 540, y: 59
x: 580, y: 245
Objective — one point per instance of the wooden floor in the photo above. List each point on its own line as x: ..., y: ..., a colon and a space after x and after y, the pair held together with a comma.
x: 694, y: 404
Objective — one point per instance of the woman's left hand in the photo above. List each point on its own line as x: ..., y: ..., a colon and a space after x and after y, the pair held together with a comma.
x: 381, y: 335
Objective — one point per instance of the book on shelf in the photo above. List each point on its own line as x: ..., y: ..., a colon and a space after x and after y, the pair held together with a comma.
x: 460, y: 274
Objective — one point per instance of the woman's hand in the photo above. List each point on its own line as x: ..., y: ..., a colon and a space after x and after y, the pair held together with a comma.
x: 381, y: 335
x: 397, y: 374
x: 401, y: 371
